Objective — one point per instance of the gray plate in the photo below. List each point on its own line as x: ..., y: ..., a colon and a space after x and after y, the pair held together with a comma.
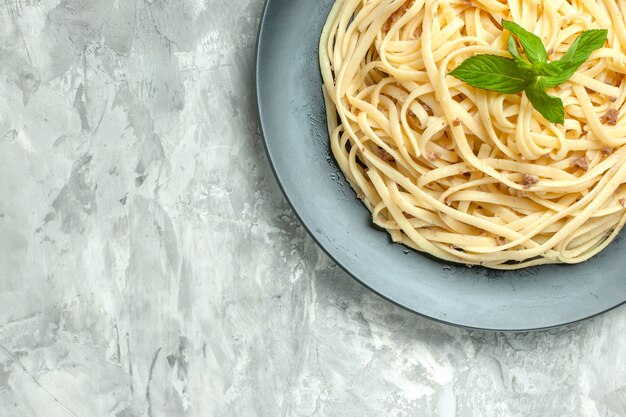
x: 291, y: 111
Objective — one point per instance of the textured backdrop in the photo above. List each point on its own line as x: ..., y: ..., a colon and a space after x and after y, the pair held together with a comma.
x: 149, y: 265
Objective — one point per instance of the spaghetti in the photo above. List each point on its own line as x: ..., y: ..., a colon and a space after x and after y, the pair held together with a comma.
x: 468, y: 175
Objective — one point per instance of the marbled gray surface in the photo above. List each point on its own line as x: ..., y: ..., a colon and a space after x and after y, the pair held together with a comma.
x: 149, y: 265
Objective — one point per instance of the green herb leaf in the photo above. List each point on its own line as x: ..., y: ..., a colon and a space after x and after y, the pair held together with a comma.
x: 512, y: 47
x: 532, y: 44
x: 585, y: 44
x: 494, y: 73
x: 576, y: 55
x: 543, y: 68
x: 550, y: 107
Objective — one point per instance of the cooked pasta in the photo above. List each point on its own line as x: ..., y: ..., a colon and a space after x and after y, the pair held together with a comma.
x: 468, y: 175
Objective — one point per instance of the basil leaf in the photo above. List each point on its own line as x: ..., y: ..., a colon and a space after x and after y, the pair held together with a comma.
x: 565, y: 71
x: 493, y: 73
x: 504, y: 75
x: 512, y: 47
x: 580, y: 51
x: 532, y: 44
x: 585, y: 44
x: 550, y: 107
x: 542, y: 68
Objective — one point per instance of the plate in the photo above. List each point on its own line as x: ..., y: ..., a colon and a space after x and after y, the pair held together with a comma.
x: 293, y: 122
